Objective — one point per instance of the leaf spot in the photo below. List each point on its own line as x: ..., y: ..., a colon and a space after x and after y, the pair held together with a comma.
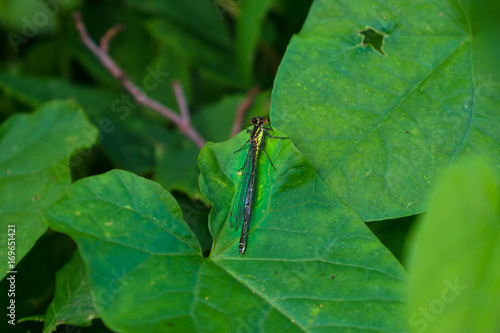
x: 373, y: 38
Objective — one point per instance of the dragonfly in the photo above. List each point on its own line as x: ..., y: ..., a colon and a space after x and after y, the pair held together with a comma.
x: 241, y: 212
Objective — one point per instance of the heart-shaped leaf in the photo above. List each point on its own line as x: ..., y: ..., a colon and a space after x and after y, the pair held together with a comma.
x: 142, y: 259
x: 311, y: 263
x: 380, y: 125
x: 34, y: 172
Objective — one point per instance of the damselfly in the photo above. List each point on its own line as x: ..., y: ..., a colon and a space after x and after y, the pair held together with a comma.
x: 241, y: 211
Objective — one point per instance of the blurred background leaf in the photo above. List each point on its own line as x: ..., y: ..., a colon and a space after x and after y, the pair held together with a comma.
x: 35, y: 153
x: 454, y: 275
x: 127, y: 137
x: 72, y: 303
x: 248, y: 28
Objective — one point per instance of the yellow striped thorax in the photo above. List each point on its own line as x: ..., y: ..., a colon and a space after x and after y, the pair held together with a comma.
x: 258, y: 131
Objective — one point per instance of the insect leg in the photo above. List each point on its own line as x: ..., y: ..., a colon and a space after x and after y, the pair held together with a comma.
x: 275, y: 137
x: 268, y: 158
x: 234, y: 152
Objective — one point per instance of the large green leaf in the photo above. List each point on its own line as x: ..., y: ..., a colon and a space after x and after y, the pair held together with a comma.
x: 72, y: 302
x: 308, y: 255
x: 34, y: 172
x: 142, y: 259
x: 311, y: 263
x: 455, y: 255
x: 379, y: 129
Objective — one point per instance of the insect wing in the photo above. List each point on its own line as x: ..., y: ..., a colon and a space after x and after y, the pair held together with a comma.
x: 238, y: 208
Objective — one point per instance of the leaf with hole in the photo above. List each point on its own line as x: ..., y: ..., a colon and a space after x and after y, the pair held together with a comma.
x: 379, y: 129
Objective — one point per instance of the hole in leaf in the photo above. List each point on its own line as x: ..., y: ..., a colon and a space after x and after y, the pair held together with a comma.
x: 374, y: 39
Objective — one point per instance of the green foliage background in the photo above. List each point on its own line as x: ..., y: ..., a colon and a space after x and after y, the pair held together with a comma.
x: 121, y: 220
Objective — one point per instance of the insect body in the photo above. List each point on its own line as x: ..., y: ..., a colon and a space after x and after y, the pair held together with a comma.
x: 241, y: 211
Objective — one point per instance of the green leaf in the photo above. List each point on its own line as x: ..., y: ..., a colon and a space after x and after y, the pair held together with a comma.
x: 199, y: 16
x: 195, y: 214
x: 35, y: 281
x: 72, y: 302
x: 128, y: 133
x: 212, y: 59
x: 379, y: 129
x: 215, y: 121
x: 40, y: 318
x: 34, y: 154
x: 247, y: 34
x: 454, y: 279
x: 19, y: 18
x: 308, y: 256
x: 177, y: 69
x: 139, y: 254
x: 176, y: 170
x: 299, y: 273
